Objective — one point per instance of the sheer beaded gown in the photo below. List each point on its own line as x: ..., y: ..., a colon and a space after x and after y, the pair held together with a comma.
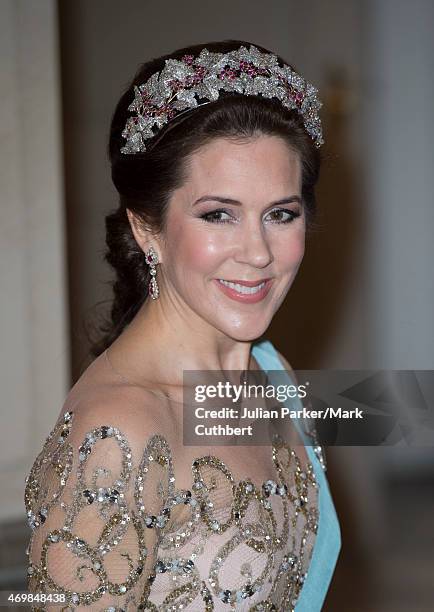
x: 124, y: 517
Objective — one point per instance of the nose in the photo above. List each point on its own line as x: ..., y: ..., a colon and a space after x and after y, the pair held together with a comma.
x: 253, y: 245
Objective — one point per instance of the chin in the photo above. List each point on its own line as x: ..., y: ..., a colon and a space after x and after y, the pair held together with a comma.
x: 243, y: 334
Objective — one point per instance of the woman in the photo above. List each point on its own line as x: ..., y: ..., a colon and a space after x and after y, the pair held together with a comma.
x: 214, y: 152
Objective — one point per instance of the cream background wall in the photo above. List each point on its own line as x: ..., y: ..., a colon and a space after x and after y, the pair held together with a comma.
x: 34, y: 324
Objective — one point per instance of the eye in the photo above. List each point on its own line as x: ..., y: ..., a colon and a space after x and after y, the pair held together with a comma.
x: 291, y: 215
x: 213, y: 216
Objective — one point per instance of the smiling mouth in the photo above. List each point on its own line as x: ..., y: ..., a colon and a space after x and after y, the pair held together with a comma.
x: 245, y: 287
x: 248, y: 292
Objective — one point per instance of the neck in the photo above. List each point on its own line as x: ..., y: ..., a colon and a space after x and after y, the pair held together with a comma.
x: 165, y: 341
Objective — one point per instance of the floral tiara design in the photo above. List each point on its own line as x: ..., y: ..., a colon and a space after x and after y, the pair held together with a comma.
x: 194, y: 81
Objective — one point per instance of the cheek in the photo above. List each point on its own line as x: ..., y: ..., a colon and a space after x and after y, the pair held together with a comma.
x: 291, y: 251
x: 195, y: 250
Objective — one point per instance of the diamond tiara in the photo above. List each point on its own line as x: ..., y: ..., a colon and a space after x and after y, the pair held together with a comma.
x: 194, y: 81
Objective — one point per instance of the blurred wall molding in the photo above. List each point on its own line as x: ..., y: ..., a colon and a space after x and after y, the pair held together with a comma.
x: 35, y: 350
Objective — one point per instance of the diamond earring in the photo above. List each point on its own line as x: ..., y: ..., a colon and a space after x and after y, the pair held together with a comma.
x: 151, y: 259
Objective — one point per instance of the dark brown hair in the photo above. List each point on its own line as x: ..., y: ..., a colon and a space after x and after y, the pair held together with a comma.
x: 145, y: 181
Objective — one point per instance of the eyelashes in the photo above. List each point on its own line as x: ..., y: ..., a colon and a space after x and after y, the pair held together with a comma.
x: 211, y: 218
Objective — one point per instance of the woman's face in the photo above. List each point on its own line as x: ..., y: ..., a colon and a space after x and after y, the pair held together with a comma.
x: 238, y: 217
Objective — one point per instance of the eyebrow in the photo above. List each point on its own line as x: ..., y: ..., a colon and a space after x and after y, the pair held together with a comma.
x: 222, y: 200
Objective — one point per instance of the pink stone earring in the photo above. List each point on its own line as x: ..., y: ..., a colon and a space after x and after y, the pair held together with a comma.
x: 152, y: 260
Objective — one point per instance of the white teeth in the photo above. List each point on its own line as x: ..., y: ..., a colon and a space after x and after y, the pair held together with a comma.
x: 242, y: 288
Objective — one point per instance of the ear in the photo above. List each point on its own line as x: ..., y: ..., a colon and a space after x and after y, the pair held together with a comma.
x: 141, y: 233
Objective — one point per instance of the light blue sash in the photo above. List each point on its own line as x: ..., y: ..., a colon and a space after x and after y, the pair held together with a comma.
x: 328, y: 538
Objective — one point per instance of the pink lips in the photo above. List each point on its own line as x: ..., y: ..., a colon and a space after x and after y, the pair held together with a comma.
x: 247, y: 298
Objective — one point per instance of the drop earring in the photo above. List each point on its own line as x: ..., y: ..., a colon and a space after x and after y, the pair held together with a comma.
x: 151, y: 258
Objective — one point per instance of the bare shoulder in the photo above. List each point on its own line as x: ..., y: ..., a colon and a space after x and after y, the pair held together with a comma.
x: 134, y: 414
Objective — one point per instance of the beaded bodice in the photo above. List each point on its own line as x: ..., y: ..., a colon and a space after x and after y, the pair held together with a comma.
x: 112, y: 531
